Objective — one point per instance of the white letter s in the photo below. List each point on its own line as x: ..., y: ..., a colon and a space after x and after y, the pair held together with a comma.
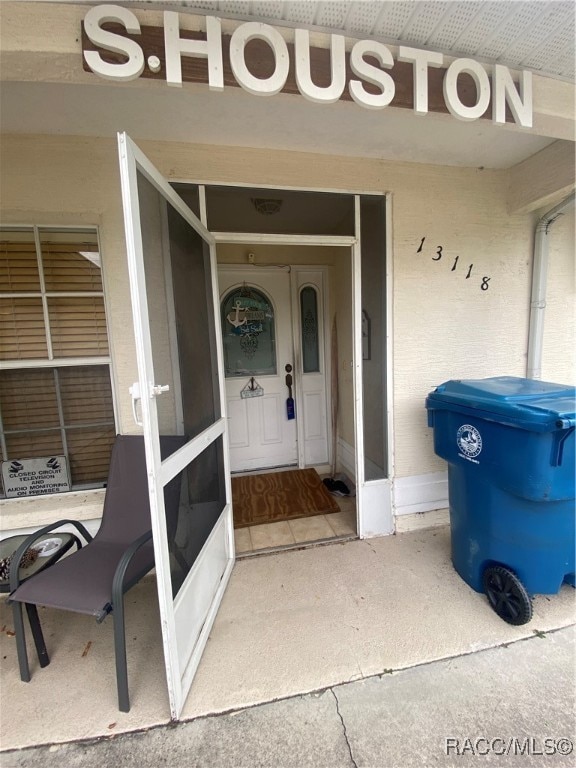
x: 371, y: 74
x: 111, y: 41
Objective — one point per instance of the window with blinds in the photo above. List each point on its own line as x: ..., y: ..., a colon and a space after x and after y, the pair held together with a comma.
x: 55, y: 386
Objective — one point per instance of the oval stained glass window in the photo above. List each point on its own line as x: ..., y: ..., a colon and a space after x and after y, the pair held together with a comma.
x: 248, y: 333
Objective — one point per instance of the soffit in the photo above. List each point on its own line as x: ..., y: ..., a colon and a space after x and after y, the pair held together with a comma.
x: 537, y: 35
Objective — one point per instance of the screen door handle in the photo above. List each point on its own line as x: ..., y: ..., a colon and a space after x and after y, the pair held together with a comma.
x: 136, y: 396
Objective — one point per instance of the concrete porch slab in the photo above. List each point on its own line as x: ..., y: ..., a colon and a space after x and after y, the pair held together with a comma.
x: 290, y: 623
x: 511, y: 705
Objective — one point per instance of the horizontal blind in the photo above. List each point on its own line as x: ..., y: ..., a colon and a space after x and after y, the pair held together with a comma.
x: 86, y: 394
x: 19, y: 267
x: 88, y: 414
x: 89, y: 454
x: 67, y: 269
x: 32, y: 445
x: 29, y: 400
x: 22, y: 329
x: 78, y: 326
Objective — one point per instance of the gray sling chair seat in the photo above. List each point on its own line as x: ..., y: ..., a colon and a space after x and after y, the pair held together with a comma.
x: 93, y: 580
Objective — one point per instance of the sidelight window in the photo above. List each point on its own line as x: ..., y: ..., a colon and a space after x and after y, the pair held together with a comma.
x: 309, y: 328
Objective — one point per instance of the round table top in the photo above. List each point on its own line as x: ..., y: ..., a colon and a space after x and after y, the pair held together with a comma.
x: 10, y: 545
x: 48, y: 545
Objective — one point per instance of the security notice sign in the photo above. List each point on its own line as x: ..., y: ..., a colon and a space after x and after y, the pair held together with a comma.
x: 32, y: 477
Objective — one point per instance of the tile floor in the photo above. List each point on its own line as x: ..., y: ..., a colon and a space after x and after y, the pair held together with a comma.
x: 304, y: 530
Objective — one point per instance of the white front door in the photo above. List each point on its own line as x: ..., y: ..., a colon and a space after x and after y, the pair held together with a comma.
x: 180, y: 396
x: 256, y: 320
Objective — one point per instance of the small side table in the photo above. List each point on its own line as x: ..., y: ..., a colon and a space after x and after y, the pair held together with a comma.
x: 9, y: 547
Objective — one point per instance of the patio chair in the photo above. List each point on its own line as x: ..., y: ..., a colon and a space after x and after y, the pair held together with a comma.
x: 94, y: 579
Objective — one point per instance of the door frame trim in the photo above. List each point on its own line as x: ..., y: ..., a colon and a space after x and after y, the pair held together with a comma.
x: 244, y: 238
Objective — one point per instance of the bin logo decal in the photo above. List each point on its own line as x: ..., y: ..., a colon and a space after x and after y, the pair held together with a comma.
x: 469, y: 441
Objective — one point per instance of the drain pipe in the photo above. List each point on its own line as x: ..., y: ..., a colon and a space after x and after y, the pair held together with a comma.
x: 539, y: 279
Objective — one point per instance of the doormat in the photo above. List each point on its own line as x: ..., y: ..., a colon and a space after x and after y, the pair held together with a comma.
x: 277, y: 496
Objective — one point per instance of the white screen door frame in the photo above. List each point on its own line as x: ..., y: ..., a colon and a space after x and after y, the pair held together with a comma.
x: 374, y: 507
x: 187, y: 618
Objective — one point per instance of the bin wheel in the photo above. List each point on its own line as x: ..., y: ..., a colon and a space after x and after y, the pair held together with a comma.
x: 506, y: 595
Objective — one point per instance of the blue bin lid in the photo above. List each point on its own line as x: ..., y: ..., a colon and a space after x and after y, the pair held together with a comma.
x: 539, y: 405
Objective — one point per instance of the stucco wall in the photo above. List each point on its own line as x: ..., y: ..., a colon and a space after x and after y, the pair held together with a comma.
x: 445, y: 325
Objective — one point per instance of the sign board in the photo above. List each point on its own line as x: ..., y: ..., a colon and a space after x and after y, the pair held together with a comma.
x: 247, y: 393
x: 33, y: 477
x: 252, y: 389
x: 258, y: 58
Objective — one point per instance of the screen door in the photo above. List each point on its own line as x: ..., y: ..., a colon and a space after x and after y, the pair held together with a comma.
x: 179, y: 402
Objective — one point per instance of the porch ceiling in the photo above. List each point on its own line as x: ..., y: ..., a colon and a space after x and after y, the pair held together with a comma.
x: 197, y: 116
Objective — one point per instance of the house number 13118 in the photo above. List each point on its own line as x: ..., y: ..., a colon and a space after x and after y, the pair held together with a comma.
x: 485, y: 281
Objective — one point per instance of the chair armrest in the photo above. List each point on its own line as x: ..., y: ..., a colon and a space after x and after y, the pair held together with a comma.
x: 121, y: 568
x: 17, y: 556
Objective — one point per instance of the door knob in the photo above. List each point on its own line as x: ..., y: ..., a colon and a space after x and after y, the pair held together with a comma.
x: 288, y: 379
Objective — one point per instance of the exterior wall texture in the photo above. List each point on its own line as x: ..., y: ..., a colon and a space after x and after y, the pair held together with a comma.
x: 445, y: 324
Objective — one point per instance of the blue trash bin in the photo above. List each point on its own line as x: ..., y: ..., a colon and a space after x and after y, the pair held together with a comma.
x: 510, y: 447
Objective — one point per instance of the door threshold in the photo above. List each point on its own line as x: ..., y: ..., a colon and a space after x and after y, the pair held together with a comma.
x: 298, y: 545
x: 265, y: 471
